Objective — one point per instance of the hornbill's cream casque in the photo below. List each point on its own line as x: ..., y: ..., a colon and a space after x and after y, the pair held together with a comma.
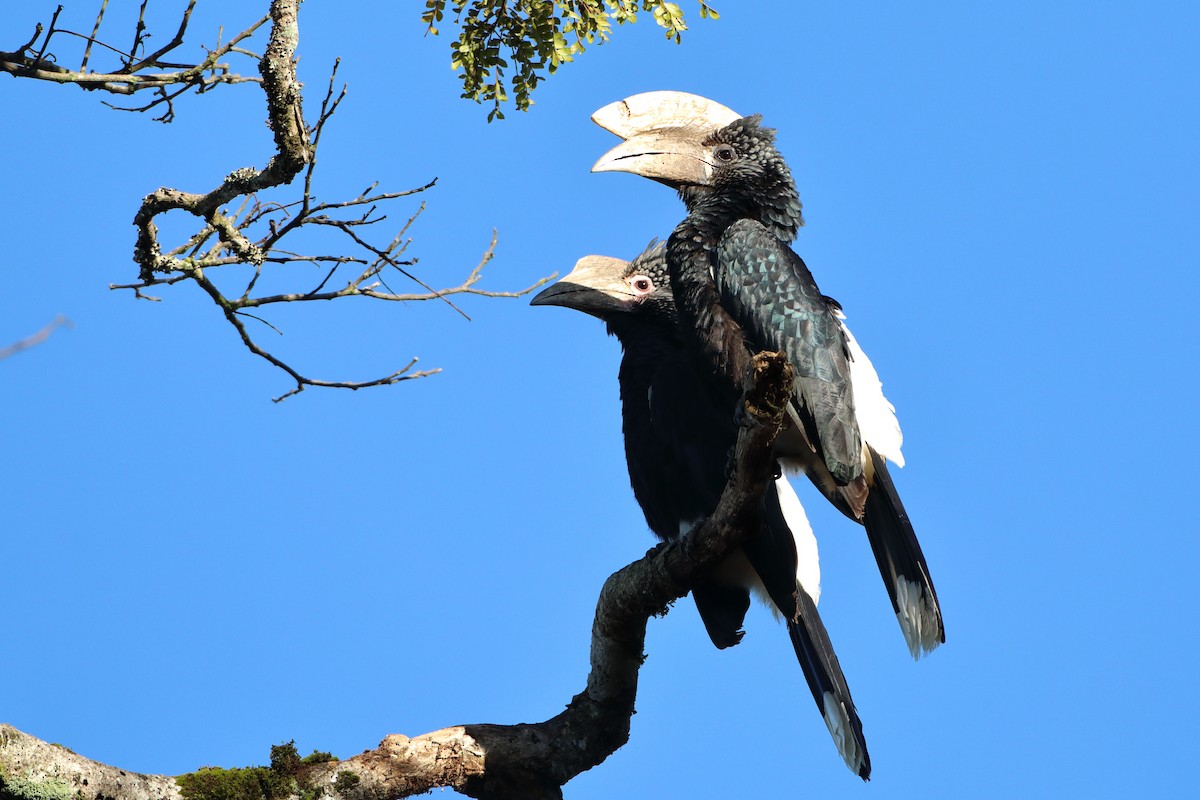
x: 679, y: 429
x: 739, y: 287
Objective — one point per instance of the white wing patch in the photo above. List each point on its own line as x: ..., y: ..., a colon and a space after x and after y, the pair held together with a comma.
x: 876, y: 416
x: 808, y: 561
x: 735, y: 570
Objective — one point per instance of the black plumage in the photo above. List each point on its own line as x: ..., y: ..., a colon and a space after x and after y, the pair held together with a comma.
x: 679, y: 428
x: 739, y: 288
x: 734, y: 233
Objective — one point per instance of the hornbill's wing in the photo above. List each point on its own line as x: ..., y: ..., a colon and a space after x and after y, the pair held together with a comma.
x: 773, y: 296
x: 893, y: 541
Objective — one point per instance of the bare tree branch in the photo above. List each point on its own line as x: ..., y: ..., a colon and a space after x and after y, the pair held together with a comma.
x: 35, y: 339
x: 254, y: 234
x: 497, y: 762
x: 134, y: 74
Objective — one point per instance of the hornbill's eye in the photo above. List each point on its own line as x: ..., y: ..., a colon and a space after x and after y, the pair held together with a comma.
x: 724, y: 153
x: 641, y: 284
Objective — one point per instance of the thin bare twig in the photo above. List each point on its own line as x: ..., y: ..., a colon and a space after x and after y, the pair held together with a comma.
x: 139, y: 32
x: 87, y: 52
x: 49, y: 34
x: 31, y: 341
x: 176, y: 41
x: 133, y: 74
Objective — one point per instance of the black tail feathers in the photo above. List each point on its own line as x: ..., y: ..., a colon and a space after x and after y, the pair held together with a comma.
x: 902, y: 564
x: 828, y: 685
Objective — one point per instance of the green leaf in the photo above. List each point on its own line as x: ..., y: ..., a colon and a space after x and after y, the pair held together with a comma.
x: 536, y: 38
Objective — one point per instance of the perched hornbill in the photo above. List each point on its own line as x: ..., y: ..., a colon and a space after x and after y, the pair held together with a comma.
x: 679, y: 430
x: 739, y: 288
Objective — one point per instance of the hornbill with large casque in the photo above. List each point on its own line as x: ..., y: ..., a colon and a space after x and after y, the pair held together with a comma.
x: 739, y: 287
x: 679, y: 429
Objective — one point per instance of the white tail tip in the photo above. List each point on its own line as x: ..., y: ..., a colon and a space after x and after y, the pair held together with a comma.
x: 837, y: 719
x: 918, y: 618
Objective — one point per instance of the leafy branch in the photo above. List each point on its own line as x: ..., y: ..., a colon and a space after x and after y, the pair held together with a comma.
x: 535, y: 36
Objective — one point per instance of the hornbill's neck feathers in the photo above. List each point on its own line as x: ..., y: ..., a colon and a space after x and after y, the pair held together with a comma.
x: 750, y: 180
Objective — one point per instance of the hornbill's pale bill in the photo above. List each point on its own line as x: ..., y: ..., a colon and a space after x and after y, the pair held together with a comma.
x: 679, y: 429
x: 735, y: 276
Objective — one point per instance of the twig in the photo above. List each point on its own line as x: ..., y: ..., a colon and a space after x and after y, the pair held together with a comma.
x: 176, y: 41
x: 36, y: 339
x: 46, y: 42
x: 134, y: 74
x: 87, y: 52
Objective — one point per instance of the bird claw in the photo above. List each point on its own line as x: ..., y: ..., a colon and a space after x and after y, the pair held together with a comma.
x: 740, y: 415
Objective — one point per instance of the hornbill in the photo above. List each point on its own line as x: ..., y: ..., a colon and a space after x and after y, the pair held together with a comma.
x: 739, y: 288
x: 679, y: 430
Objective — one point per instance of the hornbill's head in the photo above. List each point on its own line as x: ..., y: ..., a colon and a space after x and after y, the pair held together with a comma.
x: 611, y: 288
x: 707, y: 152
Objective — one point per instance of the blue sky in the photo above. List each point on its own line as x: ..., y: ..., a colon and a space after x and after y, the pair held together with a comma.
x: 1003, y: 197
